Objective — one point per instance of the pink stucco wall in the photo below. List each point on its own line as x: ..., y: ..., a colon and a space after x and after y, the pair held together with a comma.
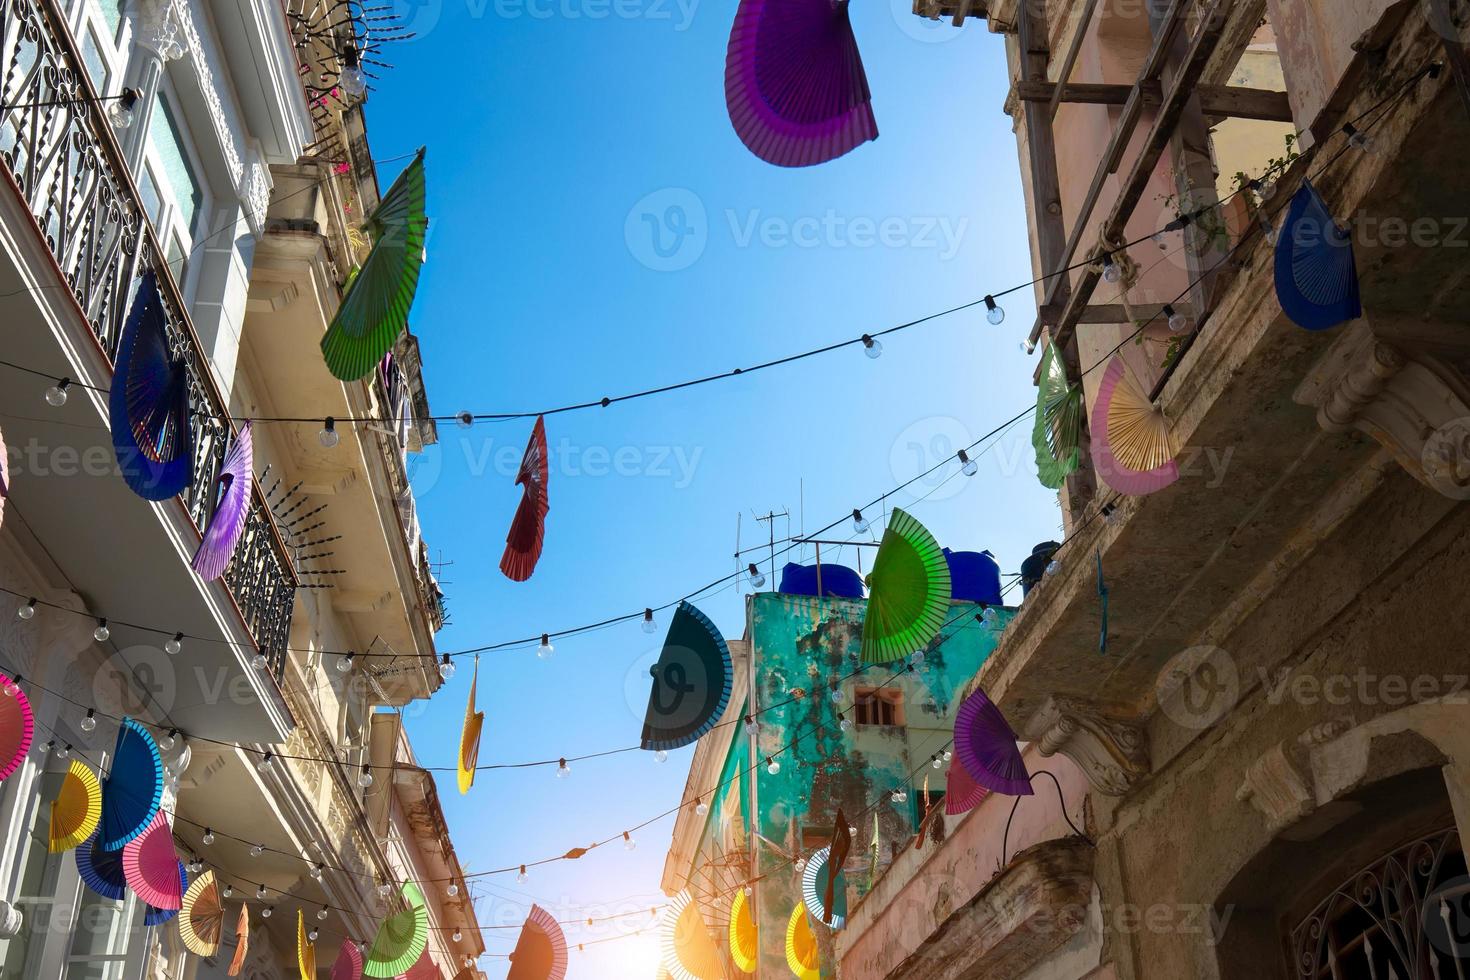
x: 1315, y: 39
x: 922, y: 888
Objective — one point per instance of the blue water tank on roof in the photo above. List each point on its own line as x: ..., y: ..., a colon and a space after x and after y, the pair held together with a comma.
x: 837, y: 581
x: 974, y: 576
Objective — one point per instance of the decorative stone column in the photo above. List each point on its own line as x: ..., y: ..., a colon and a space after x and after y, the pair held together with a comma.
x: 143, y: 73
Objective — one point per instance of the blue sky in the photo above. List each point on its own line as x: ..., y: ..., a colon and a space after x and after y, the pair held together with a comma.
x: 553, y: 127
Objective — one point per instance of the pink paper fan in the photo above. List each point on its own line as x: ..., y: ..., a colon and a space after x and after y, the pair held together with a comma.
x: 151, y: 867
x: 422, y: 969
x: 349, y: 962
x: 17, y: 726
x: 1123, y: 416
x: 961, y: 792
x: 4, y: 476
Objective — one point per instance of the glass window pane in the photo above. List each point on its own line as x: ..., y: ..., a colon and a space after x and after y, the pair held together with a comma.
x: 92, y: 55
x: 168, y: 143
x: 36, y: 891
x: 152, y: 202
x: 112, y: 13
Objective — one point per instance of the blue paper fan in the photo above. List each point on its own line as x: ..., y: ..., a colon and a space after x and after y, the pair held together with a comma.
x: 814, y: 886
x: 101, y: 871
x: 157, y: 917
x: 691, y: 682
x: 133, y: 788
x: 149, y: 402
x: 1316, y: 274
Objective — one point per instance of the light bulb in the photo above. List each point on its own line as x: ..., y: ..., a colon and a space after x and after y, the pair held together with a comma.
x: 120, y: 112
x: 1268, y: 188
x: 545, y: 650
x: 186, y: 755
x: 1053, y: 567
x: 859, y: 522
x: 938, y: 762
x: 195, y: 865
x: 748, y: 891
x: 101, y: 633
x: 173, y: 645
x: 256, y: 851
x: 649, y: 626
x: 321, y: 915
x: 628, y: 842
x: 845, y: 724
x: 457, y: 936
x: 895, y: 797
x: 660, y: 756
x: 329, y: 436
x: 12, y: 686
x: 1357, y: 138
x: 166, y: 740
x: 56, y: 394
x: 989, y: 617
x: 311, y: 936
x: 89, y: 723
x: 452, y: 890
x: 265, y: 913
x: 208, y: 837
x: 1110, y: 270
x: 948, y: 755
x: 64, y: 751
x: 259, y: 661
x: 344, y: 664
x: 228, y: 890
x: 48, y: 747
x: 446, y: 667
x: 772, y: 766
x: 365, y: 778
x: 352, y: 79
x: 562, y: 769
x: 27, y: 611
x: 316, y: 872
x: 701, y: 808
x: 967, y: 465
x: 917, y: 657
x: 1110, y: 514
x: 757, y: 577
x: 993, y: 312
x: 267, y: 762
x: 1178, y: 322
x: 800, y: 865
x: 752, y: 727
x: 872, y: 346
x: 522, y: 876
x: 260, y: 892
x: 1028, y: 347
x: 464, y: 420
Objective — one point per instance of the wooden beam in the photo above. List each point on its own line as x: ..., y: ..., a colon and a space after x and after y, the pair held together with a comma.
x: 1226, y: 101
x: 1064, y: 74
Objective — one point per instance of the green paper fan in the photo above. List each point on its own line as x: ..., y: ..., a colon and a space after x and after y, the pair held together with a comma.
x: 375, y: 310
x: 401, y: 938
x: 1058, y: 426
x: 908, y: 592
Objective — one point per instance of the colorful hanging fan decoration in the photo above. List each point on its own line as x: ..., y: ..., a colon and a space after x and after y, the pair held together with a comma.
x: 148, y: 865
x: 202, y: 916
x: 834, y: 887
x: 986, y: 746
x: 1132, y: 447
x: 375, y: 309
x: 802, y: 954
x: 1057, y: 430
x: 469, y: 738
x: 1102, y: 600
x: 691, y: 682
x: 401, y: 938
x: 817, y: 882
x: 794, y: 82
x: 100, y: 870
x: 242, y: 941
x: 744, y: 938
x: 133, y: 788
x: 4, y: 477
x: 148, y: 406
x: 908, y: 592
x: 17, y: 726
x: 305, y: 949
x: 528, y: 528
x: 76, y: 810
x: 688, y: 952
x: 231, y: 505
x: 349, y: 962
x: 153, y: 916
x: 541, y: 950
x: 1316, y: 271
x: 422, y: 969
x: 961, y: 793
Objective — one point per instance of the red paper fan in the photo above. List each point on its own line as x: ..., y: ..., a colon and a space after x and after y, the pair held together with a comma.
x: 961, y: 792
x: 349, y: 962
x: 151, y: 867
x: 528, y: 530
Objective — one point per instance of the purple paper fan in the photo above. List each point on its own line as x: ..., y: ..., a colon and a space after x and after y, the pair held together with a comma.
x: 794, y: 82
x: 101, y: 871
x: 987, y: 747
x: 232, y: 502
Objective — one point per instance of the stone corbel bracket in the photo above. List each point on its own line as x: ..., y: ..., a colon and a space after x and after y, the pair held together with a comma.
x: 1113, y: 753
x: 1280, y: 784
x: 1416, y: 405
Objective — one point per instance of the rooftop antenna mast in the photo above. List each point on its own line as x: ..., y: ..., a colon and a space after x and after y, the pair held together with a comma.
x: 769, y: 519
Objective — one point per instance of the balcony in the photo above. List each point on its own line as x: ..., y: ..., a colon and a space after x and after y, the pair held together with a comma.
x: 73, y: 240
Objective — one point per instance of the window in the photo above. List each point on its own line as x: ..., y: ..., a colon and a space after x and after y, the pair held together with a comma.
x: 815, y: 838
x: 878, y: 706
x: 179, y: 174
x: 173, y: 189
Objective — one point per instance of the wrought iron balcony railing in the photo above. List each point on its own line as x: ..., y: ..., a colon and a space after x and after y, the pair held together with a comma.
x: 63, y: 160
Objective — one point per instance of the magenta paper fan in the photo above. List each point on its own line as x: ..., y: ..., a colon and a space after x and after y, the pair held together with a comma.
x: 961, y: 793
x: 987, y: 747
x: 349, y: 962
x: 4, y: 476
x: 794, y: 81
x: 150, y: 866
x: 231, y: 505
x: 17, y: 726
x: 1125, y: 423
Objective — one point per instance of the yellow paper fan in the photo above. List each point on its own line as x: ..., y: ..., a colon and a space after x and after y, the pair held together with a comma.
x: 802, y: 955
x: 76, y: 809
x: 1138, y: 432
x: 469, y: 740
x: 744, y: 941
x: 202, y: 918
x: 305, y: 949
